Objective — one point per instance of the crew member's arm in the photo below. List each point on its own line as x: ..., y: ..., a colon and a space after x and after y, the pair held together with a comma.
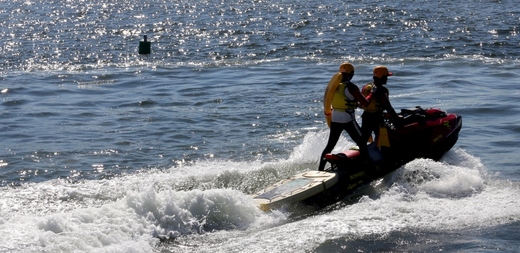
x: 383, y: 98
x: 354, y: 90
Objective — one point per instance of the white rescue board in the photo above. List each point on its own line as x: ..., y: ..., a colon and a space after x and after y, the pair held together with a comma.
x: 295, y: 189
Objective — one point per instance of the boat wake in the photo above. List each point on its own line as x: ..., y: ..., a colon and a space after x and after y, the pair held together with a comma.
x: 191, y: 206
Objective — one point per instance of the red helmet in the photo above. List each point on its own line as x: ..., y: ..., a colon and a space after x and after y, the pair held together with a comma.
x: 382, y: 71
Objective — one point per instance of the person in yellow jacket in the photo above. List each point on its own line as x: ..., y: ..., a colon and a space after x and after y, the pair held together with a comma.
x: 373, y: 116
x: 339, y: 104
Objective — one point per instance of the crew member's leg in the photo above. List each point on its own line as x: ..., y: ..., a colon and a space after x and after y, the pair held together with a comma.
x: 369, y: 124
x: 335, y: 133
x: 354, y: 131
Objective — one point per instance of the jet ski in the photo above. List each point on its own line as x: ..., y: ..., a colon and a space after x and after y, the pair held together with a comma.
x: 422, y: 133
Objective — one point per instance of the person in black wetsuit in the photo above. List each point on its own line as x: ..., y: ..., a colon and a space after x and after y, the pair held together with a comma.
x: 373, y: 115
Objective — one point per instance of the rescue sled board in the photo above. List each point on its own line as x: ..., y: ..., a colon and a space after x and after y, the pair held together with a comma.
x: 295, y: 189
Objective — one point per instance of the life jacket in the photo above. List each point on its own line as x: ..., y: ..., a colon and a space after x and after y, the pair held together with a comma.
x: 342, y: 100
x: 374, y: 105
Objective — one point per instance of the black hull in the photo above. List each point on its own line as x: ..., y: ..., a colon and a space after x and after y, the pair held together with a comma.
x: 354, y: 173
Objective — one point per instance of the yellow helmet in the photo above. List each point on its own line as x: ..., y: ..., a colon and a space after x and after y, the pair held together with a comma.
x: 347, y: 67
x: 382, y: 71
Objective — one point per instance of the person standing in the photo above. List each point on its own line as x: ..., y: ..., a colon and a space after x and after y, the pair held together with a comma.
x: 373, y: 115
x: 340, y: 101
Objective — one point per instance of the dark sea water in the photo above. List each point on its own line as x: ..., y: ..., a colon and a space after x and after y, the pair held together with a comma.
x: 106, y: 150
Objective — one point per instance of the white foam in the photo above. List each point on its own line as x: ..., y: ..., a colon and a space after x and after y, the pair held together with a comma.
x: 124, y: 214
x: 313, y: 143
x: 130, y: 213
x: 449, y: 197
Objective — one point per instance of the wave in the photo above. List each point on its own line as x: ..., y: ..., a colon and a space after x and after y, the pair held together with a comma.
x: 208, y: 201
